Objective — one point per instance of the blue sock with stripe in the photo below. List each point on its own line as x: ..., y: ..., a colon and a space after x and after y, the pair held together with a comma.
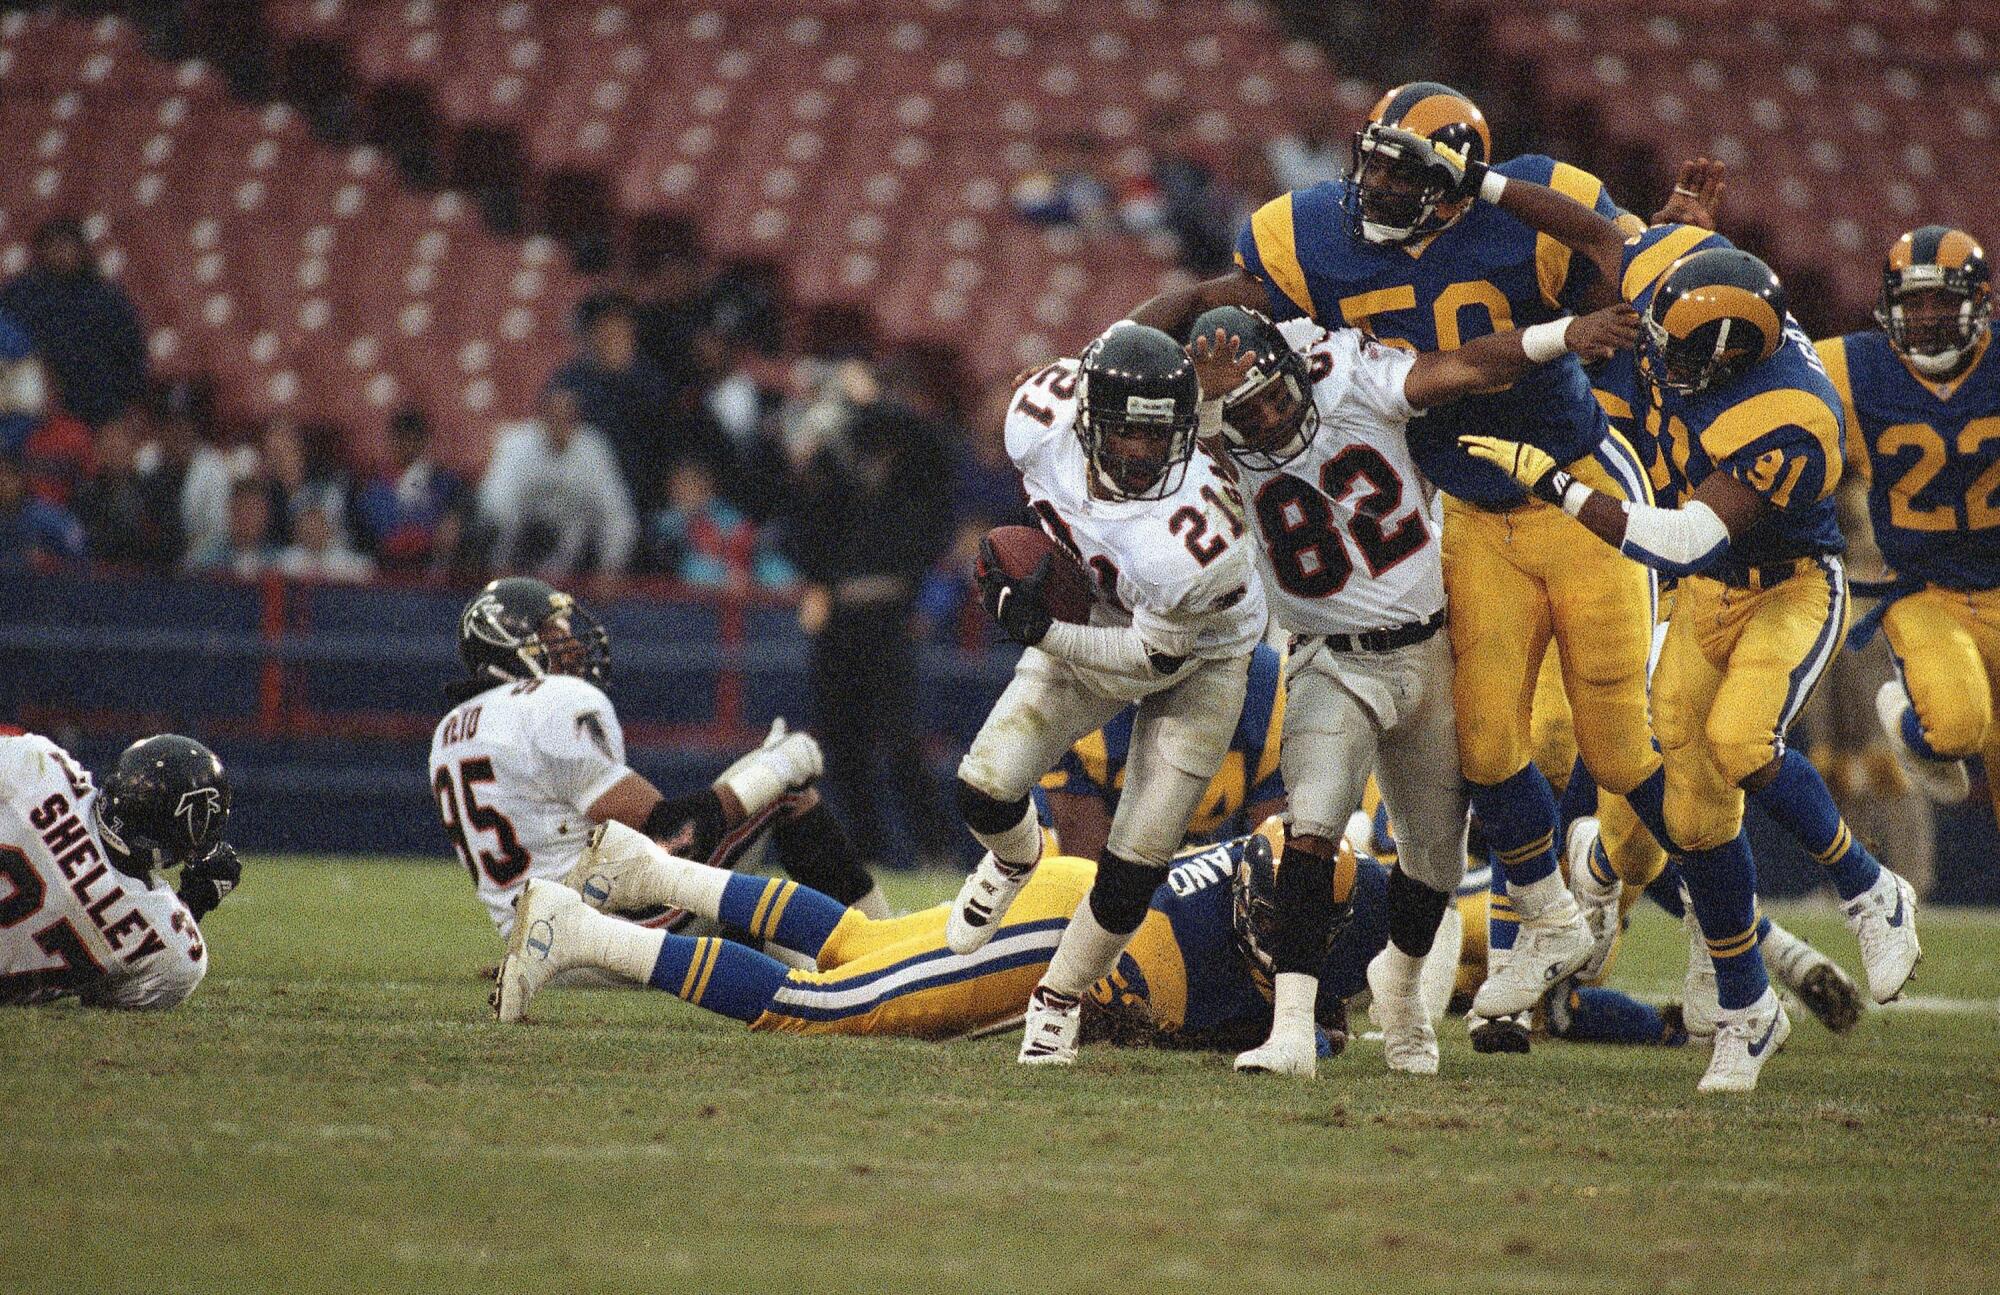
x: 782, y: 911
x: 1800, y: 803
x: 722, y: 976
x: 1578, y: 800
x: 1519, y: 816
x: 1665, y: 890
x: 1649, y: 801
x: 1723, y: 884
x: 1502, y: 926
x: 1593, y: 1015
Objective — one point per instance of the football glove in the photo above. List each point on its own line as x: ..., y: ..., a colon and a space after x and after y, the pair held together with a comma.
x: 1444, y: 167
x: 1535, y: 469
x: 1017, y: 605
x: 207, y: 881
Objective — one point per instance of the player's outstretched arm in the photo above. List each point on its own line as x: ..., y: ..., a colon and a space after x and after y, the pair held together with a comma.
x: 1677, y: 541
x: 1171, y: 312
x: 1440, y: 377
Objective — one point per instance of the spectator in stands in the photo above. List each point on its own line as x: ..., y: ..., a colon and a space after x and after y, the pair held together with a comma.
x: 868, y: 523
x: 1201, y: 209
x: 625, y: 397
x: 189, y: 442
x: 303, y: 470
x: 244, y: 549
x: 1315, y: 152
x: 670, y: 274
x: 59, y: 456
x: 82, y: 325
x: 701, y: 539
x: 131, y: 518
x: 743, y: 410
x: 554, y: 497
x: 24, y: 388
x: 1067, y: 189
x: 986, y: 486
x: 318, y: 551
x: 411, y: 516
x: 33, y: 531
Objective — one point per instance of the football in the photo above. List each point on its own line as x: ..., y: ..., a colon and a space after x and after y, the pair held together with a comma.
x: 1020, y: 549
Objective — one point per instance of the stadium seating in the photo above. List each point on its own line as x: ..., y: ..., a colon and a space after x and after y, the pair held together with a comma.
x: 1838, y: 134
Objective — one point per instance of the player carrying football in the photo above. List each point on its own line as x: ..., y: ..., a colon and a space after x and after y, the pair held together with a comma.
x: 531, y: 757
x: 82, y: 912
x: 1106, y: 450
x: 1314, y: 421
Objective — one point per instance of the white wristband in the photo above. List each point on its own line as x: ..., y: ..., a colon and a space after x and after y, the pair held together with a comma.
x: 1545, y: 342
x: 1491, y: 186
x: 1573, y: 496
x: 1208, y: 418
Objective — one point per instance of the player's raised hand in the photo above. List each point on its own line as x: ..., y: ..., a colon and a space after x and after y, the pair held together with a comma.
x: 1220, y: 364
x: 1603, y: 333
x: 1444, y: 167
x: 1697, y: 195
x: 1534, y: 468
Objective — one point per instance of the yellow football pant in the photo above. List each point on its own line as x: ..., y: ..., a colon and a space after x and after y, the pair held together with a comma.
x: 1947, y: 642
x: 1737, y: 666
x: 898, y: 977
x: 1518, y: 580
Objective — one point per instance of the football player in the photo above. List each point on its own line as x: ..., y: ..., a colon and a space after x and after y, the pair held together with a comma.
x: 1923, y: 429
x: 1077, y: 798
x: 531, y: 756
x: 1745, y: 430
x: 1106, y: 450
x: 1314, y: 420
x: 1392, y: 252
x: 83, y: 912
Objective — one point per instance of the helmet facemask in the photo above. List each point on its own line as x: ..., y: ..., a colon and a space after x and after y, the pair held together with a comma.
x: 1271, y: 418
x: 1393, y: 198
x: 1934, y: 319
x: 1141, y: 454
x: 1715, y: 353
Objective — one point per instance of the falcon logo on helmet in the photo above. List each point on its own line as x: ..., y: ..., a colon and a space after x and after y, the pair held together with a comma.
x: 519, y: 628
x: 198, y: 809
x: 1392, y: 199
x: 1137, y: 398
x: 1271, y: 417
x: 1936, y: 303
x: 1713, y: 317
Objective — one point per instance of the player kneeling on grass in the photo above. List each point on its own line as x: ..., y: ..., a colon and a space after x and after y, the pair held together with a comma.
x: 531, y: 757
x: 83, y: 913
x: 1314, y: 420
x: 1106, y: 450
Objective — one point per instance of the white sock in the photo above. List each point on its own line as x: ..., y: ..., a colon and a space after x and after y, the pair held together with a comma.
x: 1401, y: 972
x: 874, y: 905
x: 1293, y: 994
x: 1086, y: 954
x: 683, y: 883
x: 755, y: 785
x: 623, y: 948
x: 1544, y: 898
x: 1017, y: 848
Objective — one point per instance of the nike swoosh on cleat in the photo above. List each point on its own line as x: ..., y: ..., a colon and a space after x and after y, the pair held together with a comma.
x: 1896, y: 918
x: 1757, y: 1048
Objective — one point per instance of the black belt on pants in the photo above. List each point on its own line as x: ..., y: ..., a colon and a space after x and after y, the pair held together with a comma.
x: 1384, y: 640
x: 1766, y: 574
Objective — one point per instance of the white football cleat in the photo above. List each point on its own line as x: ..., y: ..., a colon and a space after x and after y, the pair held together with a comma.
x: 1051, y: 1029
x: 1944, y: 781
x: 1409, y: 1044
x: 1827, y: 991
x: 1744, y: 1040
x: 1285, y: 1054
x: 982, y: 902
x: 1701, y: 1009
x: 1884, y: 919
x: 544, y: 920
x: 1598, y: 901
x: 1551, y: 945
x: 620, y: 870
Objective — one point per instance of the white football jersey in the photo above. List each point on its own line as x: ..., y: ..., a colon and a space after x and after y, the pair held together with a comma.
x: 70, y: 922
x: 1179, y: 568
x: 513, y: 771
x: 1346, y: 537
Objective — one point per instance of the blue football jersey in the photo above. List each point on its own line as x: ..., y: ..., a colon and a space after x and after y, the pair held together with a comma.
x: 1931, y: 455
x: 1485, y: 273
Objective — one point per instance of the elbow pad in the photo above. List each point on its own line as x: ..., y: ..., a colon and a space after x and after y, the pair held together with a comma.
x: 1676, y: 541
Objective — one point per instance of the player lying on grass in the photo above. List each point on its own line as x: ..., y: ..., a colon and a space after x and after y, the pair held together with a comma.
x: 531, y: 757
x: 83, y: 913
x: 1196, y: 974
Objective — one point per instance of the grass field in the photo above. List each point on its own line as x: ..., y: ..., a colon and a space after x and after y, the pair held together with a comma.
x: 334, y: 1110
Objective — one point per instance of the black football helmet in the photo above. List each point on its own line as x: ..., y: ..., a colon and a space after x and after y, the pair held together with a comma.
x: 1271, y: 417
x: 521, y: 628
x: 1714, y: 316
x: 1936, y: 258
x: 1392, y: 199
x: 165, y: 802
x: 1138, y: 386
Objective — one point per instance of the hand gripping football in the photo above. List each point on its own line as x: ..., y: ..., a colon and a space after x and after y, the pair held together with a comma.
x: 1020, y: 549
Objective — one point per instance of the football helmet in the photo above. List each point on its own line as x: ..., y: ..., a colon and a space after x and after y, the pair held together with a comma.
x: 1393, y: 199
x: 1136, y: 412
x: 1271, y: 417
x: 165, y: 802
x: 521, y: 628
x: 1253, y: 911
x: 1936, y: 259
x: 1713, y: 317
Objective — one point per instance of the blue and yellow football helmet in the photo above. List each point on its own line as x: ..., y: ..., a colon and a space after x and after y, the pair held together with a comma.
x: 1713, y: 317
x: 1936, y: 259
x: 1394, y: 200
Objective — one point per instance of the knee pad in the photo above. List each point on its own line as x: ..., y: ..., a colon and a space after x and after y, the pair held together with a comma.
x: 1122, y: 893
x: 1739, y: 756
x: 983, y: 813
x: 1701, y: 823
